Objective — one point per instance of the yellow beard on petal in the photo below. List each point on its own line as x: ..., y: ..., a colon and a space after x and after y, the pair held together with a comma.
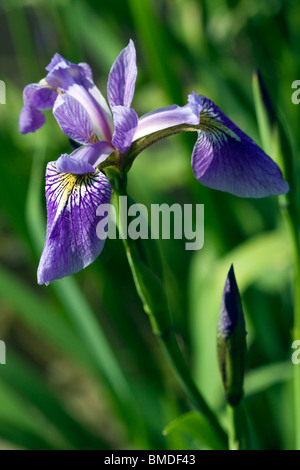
x: 71, y: 184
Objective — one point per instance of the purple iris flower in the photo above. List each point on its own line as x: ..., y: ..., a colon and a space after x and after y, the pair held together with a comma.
x: 224, y: 157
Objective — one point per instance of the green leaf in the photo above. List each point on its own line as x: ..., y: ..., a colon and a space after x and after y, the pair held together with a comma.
x: 42, y: 317
x: 30, y: 386
x: 261, y: 379
x: 197, y: 427
x: 262, y: 116
x: 22, y: 425
x: 157, y: 46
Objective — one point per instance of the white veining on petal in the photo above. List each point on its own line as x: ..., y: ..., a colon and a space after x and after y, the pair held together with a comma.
x: 66, y: 189
x: 71, y: 241
x: 102, y: 121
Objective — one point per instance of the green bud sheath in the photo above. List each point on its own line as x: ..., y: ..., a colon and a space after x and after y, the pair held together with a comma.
x: 231, y: 341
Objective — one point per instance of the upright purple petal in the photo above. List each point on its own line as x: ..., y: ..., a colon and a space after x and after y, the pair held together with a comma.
x: 225, y: 158
x: 195, y: 104
x: 71, y: 242
x: 64, y: 75
x: 125, y: 123
x: 122, y: 77
x: 74, y: 120
x: 163, y: 118
x: 74, y: 81
x: 57, y: 58
x: 84, y: 159
x: 87, y: 70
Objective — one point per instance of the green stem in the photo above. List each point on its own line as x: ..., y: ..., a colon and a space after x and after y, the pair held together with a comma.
x: 152, y: 293
x: 171, y: 348
x: 297, y: 369
x: 238, y: 434
x: 292, y: 220
x: 207, y: 124
x: 290, y: 211
x: 234, y: 431
x: 142, y: 143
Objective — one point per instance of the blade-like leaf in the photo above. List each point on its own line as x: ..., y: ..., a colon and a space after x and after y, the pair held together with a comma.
x: 197, y: 427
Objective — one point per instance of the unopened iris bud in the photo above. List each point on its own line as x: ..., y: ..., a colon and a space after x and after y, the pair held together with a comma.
x: 231, y: 341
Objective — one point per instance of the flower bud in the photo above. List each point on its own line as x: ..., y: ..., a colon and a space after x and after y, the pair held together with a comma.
x: 231, y: 341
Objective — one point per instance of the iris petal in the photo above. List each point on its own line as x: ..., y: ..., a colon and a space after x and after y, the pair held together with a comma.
x: 36, y: 97
x: 163, y: 118
x: 125, y: 123
x: 225, y: 158
x: 73, y: 80
x: 39, y: 95
x: 84, y: 159
x: 57, y: 58
x: 73, y: 119
x: 122, y: 77
x: 71, y: 241
x: 30, y: 120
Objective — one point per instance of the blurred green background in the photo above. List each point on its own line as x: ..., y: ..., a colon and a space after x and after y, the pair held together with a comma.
x: 83, y: 368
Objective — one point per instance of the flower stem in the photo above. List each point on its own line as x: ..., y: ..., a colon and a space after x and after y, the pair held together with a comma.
x: 292, y: 220
x: 171, y: 348
x: 236, y: 429
x: 144, y: 261
x: 289, y: 205
x: 142, y: 143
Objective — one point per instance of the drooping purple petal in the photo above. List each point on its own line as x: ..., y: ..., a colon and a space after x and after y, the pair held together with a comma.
x: 39, y: 95
x: 84, y: 159
x: 73, y: 119
x: 163, y: 118
x: 225, y: 158
x: 36, y: 97
x: 30, y: 120
x: 69, y: 164
x: 122, y: 77
x: 71, y: 242
x: 125, y: 123
x: 74, y: 81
